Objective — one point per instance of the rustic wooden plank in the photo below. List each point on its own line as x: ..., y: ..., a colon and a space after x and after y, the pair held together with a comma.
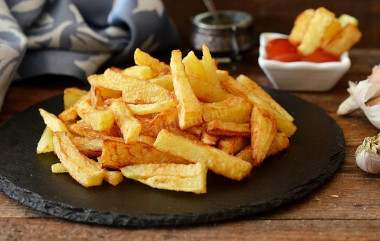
x: 40, y: 229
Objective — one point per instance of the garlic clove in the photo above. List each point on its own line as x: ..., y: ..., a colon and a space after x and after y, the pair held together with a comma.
x: 367, y: 156
x: 375, y: 76
x: 347, y: 106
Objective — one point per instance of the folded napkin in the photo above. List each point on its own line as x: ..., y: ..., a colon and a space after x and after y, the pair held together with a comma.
x: 76, y: 37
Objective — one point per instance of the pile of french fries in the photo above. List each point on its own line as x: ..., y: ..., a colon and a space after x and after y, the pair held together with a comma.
x: 314, y: 29
x: 165, y: 125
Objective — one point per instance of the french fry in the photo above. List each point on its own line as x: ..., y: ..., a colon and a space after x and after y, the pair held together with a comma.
x: 257, y: 90
x: 232, y: 145
x: 45, y: 144
x: 209, y: 66
x: 209, y: 139
x: 346, y: 19
x: 216, y: 160
x: 234, y: 87
x: 69, y: 115
x: 87, y: 131
x: 280, y: 143
x: 72, y: 95
x: 330, y: 32
x: 233, y: 109
x: 144, y: 59
x: 53, y: 122
x: 165, y: 81
x: 190, y: 110
x: 98, y: 119
x: 263, y: 131
x: 116, y: 155
x: 112, y: 177
x: 82, y: 169
x: 196, y: 74
x: 96, y: 98
x: 139, y: 72
x: 169, y: 176
x: 344, y: 40
x: 129, y: 126
x: 91, y: 147
x: 300, y: 27
x: 222, y: 128
x: 145, y: 109
x: 319, y: 23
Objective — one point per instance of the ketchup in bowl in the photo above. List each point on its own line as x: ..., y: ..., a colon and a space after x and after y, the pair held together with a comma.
x: 281, y: 49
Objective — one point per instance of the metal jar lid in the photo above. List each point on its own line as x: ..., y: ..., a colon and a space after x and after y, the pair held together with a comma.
x: 229, y: 18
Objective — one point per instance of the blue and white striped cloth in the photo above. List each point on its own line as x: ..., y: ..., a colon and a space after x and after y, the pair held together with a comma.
x: 76, y: 37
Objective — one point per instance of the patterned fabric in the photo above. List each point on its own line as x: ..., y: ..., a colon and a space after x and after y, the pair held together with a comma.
x: 76, y: 37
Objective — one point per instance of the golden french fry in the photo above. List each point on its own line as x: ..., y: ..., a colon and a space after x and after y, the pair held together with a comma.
x: 233, y: 109
x: 144, y: 59
x: 263, y: 131
x: 196, y: 74
x: 165, y: 81
x: 319, y: 23
x: 129, y: 126
x: 84, y: 170
x: 145, y: 109
x: 256, y: 89
x: 190, y: 110
x: 209, y: 66
x: 344, y: 40
x: 209, y: 139
x: 87, y: 131
x: 232, y: 145
x: 169, y: 176
x: 236, y: 88
x: 280, y: 143
x: 139, y: 72
x: 58, y: 168
x: 91, y: 147
x: 96, y: 98
x: 53, y: 122
x: 116, y: 155
x: 330, y: 32
x: 216, y: 160
x: 98, y: 119
x: 45, y: 144
x: 301, y: 24
x: 222, y: 128
x: 346, y: 19
x: 72, y: 95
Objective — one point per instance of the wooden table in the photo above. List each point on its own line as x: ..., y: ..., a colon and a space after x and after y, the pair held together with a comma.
x: 346, y: 207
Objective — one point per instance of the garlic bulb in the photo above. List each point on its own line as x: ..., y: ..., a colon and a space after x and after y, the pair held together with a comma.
x: 367, y: 155
x: 362, y: 95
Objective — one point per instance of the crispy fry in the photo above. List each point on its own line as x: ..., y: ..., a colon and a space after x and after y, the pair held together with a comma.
x: 216, y: 160
x: 53, y: 122
x: 177, y: 177
x: 87, y: 131
x: 300, y: 27
x: 209, y: 139
x: 344, y: 40
x: 190, y: 110
x: 209, y: 66
x: 233, y: 109
x: 165, y: 81
x: 116, y: 155
x: 232, y: 145
x: 145, y: 109
x: 139, y: 72
x: 222, y: 128
x: 283, y: 124
x: 82, y: 169
x: 263, y: 131
x: 319, y: 23
x: 91, y: 147
x: 330, y: 32
x: 45, y: 143
x: 144, y: 59
x: 72, y: 95
x: 129, y: 126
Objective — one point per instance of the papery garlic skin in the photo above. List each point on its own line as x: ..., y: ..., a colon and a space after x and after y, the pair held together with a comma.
x: 367, y: 155
x: 360, y: 94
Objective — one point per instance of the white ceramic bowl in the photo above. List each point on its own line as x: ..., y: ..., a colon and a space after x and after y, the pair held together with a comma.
x: 301, y: 75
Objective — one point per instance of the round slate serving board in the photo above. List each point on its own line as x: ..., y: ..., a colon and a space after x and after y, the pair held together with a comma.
x: 316, y: 151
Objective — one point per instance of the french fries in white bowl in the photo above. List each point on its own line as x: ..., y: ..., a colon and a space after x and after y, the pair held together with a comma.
x: 300, y: 75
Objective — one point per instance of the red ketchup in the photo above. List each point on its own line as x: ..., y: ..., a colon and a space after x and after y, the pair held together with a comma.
x: 283, y: 50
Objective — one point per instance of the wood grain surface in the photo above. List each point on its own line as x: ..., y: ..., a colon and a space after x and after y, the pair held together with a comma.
x: 347, y: 207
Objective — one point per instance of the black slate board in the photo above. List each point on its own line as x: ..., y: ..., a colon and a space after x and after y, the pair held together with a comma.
x: 316, y: 151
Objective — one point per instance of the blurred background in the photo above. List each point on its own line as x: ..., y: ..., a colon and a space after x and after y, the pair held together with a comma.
x: 278, y: 15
